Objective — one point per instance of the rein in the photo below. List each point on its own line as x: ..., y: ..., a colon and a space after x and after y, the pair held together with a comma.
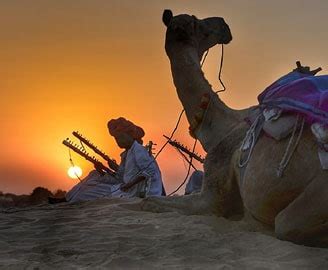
x: 201, y: 124
x: 177, y: 125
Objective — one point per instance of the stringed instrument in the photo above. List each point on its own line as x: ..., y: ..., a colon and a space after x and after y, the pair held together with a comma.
x: 111, y: 162
x: 184, y: 149
x: 82, y: 152
x: 150, y: 147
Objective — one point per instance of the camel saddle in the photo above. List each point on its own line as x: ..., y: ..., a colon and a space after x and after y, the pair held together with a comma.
x: 278, y: 125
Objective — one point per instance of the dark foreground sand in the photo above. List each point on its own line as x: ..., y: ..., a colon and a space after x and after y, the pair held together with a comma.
x: 106, y: 234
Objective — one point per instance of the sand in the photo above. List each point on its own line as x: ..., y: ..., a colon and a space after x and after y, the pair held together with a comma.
x: 107, y: 234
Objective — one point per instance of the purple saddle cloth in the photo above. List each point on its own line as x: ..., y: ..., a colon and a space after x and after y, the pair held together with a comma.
x: 299, y: 93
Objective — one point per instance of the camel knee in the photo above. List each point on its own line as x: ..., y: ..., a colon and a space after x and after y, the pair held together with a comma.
x: 311, y: 234
x: 284, y: 231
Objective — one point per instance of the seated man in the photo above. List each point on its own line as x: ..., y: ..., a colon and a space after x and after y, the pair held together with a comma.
x: 138, y: 174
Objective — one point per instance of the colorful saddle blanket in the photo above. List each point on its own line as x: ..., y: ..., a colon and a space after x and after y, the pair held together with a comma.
x: 299, y: 93
x: 280, y: 106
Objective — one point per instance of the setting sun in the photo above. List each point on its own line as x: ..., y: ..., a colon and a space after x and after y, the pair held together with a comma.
x: 74, y: 172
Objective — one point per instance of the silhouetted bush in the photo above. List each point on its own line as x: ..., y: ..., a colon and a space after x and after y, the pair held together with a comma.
x: 59, y: 193
x: 6, y: 201
x: 40, y: 195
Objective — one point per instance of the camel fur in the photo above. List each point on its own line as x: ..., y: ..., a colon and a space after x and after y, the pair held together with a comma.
x: 294, y: 206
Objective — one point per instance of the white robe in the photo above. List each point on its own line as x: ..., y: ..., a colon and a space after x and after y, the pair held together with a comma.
x: 136, y: 161
x: 195, y: 182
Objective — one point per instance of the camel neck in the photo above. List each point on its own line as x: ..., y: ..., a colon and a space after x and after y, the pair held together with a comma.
x: 188, y: 78
x: 191, y: 85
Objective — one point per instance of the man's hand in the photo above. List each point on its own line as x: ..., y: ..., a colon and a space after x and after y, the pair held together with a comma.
x: 99, y: 168
x: 113, y: 165
x: 132, y: 183
x: 124, y: 188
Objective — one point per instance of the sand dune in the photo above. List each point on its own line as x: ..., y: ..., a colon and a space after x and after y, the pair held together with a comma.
x: 106, y: 234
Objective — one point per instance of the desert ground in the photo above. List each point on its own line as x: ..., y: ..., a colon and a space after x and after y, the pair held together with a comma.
x: 113, y: 234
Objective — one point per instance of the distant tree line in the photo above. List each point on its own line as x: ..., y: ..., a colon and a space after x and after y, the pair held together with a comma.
x: 39, y: 195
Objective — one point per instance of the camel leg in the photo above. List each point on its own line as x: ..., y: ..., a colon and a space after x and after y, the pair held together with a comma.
x: 220, y: 192
x: 192, y: 204
x: 219, y: 196
x: 198, y: 203
x: 305, y: 220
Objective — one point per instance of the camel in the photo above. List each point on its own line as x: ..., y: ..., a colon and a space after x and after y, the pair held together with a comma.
x: 293, y: 207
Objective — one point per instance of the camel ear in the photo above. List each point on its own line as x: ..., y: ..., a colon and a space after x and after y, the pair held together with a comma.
x: 167, y: 17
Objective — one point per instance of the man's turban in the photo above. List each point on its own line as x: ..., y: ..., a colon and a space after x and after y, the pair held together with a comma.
x: 121, y: 125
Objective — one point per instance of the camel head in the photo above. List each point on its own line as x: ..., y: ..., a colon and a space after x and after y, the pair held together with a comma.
x: 186, y: 30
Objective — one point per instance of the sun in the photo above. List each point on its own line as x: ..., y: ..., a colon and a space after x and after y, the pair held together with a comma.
x: 74, y: 172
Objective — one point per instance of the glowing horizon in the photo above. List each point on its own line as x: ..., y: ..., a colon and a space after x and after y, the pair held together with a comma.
x: 86, y: 63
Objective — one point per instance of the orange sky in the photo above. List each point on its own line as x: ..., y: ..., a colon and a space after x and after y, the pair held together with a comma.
x: 73, y: 65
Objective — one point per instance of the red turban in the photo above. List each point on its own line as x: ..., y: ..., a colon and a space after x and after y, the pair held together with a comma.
x: 121, y: 125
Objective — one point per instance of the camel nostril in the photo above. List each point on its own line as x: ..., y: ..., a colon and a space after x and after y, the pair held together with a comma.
x: 227, y: 37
